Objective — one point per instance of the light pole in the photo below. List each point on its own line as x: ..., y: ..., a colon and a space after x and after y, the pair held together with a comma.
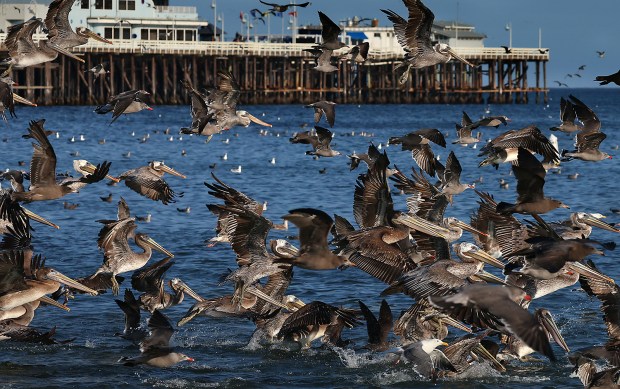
x: 214, y: 6
x: 509, y: 29
x: 221, y: 20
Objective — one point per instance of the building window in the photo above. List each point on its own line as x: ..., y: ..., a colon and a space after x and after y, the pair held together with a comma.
x: 115, y: 33
x: 377, y: 35
x: 144, y: 34
x: 103, y: 4
x: 127, y: 5
x: 84, y: 4
x: 126, y: 33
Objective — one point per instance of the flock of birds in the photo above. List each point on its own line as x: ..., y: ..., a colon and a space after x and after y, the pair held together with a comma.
x: 414, y: 251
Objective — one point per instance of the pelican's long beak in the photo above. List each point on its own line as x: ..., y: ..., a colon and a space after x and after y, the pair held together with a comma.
x: 51, y: 301
x: 177, y: 283
x: 20, y: 99
x: 488, y: 277
x: 90, y: 168
x: 158, y: 247
x: 297, y: 303
x: 481, y: 351
x: 33, y: 216
x: 95, y: 36
x: 483, y: 256
x: 422, y: 225
x: 66, y: 52
x: 456, y: 56
x: 170, y: 170
x: 263, y: 296
x: 545, y: 318
x: 467, y: 227
x: 589, y: 272
x: 595, y: 222
x: 447, y: 320
x: 59, y: 277
x: 258, y: 121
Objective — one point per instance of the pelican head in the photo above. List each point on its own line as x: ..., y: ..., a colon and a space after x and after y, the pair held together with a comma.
x: 247, y: 117
x: 293, y: 303
x: 160, y: 167
x: 85, y: 32
x: 85, y: 168
x: 51, y: 274
x: 144, y: 239
x: 446, y: 50
x: 455, y: 224
x: 178, y: 284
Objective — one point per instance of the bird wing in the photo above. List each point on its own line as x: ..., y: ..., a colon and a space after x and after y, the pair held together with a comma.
x: 530, y: 176
x: 567, y: 112
x: 324, y: 136
x: 318, y: 114
x: 233, y: 197
x: 150, y: 279
x: 57, y: 21
x: 113, y: 239
x: 424, y: 157
x: 372, y: 324
x: 434, y: 135
x: 305, y: 138
x: 131, y: 309
x: 199, y: 109
x: 372, y: 200
x: 142, y: 181
x: 276, y: 286
x: 530, y: 138
x: 590, y: 121
x: 19, y: 38
x: 14, y: 266
x: 123, y: 210
x: 248, y: 233
x: 314, y: 226
x: 453, y: 170
x: 415, y: 33
x: 432, y: 280
x: 161, y: 332
x: 330, y: 111
x: 228, y: 84
x: 43, y: 163
x: 589, y: 140
x: 315, y: 313
x: 330, y: 30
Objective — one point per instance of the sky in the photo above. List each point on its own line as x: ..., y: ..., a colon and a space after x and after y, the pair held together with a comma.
x: 573, y: 29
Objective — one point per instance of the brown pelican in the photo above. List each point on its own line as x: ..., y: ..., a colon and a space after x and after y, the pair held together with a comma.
x: 155, y: 350
x: 530, y: 176
x: 591, y: 377
x: 497, y: 307
x: 131, y: 101
x: 314, y: 226
x: 427, y: 360
x: 200, y: 114
x: 284, y: 7
x: 329, y: 33
x: 148, y: 181
x: 504, y: 148
x: 326, y: 108
x: 321, y: 142
x: 317, y: 320
x: 118, y: 255
x: 418, y: 142
x: 421, y: 321
x: 369, y: 158
x: 414, y: 35
x: 8, y: 98
x: 580, y: 224
x: 43, y: 185
x: 466, y: 351
x: 222, y: 113
x: 26, y: 279
x: 150, y: 280
x: 615, y: 78
x: 567, y: 116
x: 60, y: 34
x: 22, y: 50
x: 131, y: 309
x: 378, y: 330
x: 15, y: 218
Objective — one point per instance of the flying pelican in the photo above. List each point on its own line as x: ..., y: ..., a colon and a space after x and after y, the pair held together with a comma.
x: 131, y: 101
x: 321, y: 142
x: 43, y: 185
x: 118, y: 255
x: 60, y: 34
x: 22, y: 50
x: 147, y: 181
x: 8, y: 98
x: 615, y: 78
x: 326, y: 108
x: 419, y: 144
x: 414, y: 36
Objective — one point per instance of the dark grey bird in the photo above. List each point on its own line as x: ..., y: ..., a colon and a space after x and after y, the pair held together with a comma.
x: 497, y: 307
x: 148, y: 181
x: 615, y: 78
x: 450, y: 178
x: 567, y: 116
x: 23, y: 52
x: 99, y: 70
x: 324, y: 61
x: 378, y: 330
x: 321, y: 142
x: 284, y: 7
x: 60, y: 34
x: 131, y: 101
x: 418, y: 142
x: 314, y: 226
x: 329, y: 33
x: 414, y: 35
x: 588, y: 140
x: 326, y: 108
x: 427, y: 360
x: 133, y: 330
x: 504, y: 148
x: 560, y: 83
x: 601, y: 54
x: 155, y: 350
x: 530, y: 176
x: 507, y: 50
x: 359, y: 53
x: 464, y: 136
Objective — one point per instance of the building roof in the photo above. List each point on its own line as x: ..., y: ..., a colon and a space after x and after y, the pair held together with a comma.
x: 461, y: 34
x: 453, y: 24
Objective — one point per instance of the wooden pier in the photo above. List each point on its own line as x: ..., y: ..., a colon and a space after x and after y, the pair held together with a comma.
x: 280, y: 73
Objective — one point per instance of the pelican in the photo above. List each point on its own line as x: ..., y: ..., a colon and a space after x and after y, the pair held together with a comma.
x: 8, y: 98
x: 30, y: 279
x: 414, y: 36
x: 22, y: 50
x: 118, y: 256
x: 147, y: 181
x: 419, y: 144
x: 43, y: 185
x: 60, y: 34
x: 321, y: 142
x: 124, y: 103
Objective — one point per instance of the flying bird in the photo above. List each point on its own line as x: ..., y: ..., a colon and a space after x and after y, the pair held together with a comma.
x: 615, y: 78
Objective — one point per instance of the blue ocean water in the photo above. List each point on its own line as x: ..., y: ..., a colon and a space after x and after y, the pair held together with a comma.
x: 218, y: 345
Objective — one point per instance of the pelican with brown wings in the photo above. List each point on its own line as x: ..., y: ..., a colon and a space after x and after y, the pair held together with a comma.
x: 148, y: 181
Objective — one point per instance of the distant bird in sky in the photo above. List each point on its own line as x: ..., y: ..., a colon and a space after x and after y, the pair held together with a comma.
x: 560, y: 83
x: 284, y: 7
x: 260, y: 15
x: 582, y: 67
x: 508, y: 50
x: 615, y: 78
x: 601, y: 54
x: 543, y: 51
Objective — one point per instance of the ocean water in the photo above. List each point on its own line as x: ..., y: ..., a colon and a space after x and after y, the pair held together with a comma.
x: 219, y: 345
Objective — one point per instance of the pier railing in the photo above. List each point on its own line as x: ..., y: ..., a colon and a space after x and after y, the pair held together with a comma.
x: 138, y: 46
